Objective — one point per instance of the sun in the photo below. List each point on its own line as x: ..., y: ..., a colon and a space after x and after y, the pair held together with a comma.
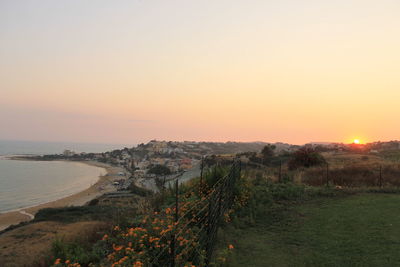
x: 356, y: 141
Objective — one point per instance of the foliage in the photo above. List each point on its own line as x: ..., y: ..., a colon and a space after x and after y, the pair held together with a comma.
x: 77, y: 252
x: 214, y: 174
x: 392, y: 155
x: 148, y: 240
x: 268, y: 153
x: 140, y: 191
x: 160, y: 170
x: 136, y: 245
x: 263, y: 196
x: 305, y: 157
x: 82, y: 213
x: 355, y: 175
x: 360, y: 230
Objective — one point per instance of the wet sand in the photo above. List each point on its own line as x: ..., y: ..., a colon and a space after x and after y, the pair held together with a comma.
x: 103, y: 185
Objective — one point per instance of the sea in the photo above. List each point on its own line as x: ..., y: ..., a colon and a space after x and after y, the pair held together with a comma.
x: 29, y: 183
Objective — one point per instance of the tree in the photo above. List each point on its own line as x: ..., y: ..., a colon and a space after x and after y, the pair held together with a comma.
x: 160, y: 170
x: 268, y: 153
x: 305, y: 157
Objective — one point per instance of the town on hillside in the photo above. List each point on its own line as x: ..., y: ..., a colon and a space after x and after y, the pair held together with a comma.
x: 145, y: 163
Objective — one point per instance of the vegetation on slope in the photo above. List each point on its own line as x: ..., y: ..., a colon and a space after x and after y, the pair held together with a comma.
x: 295, y: 225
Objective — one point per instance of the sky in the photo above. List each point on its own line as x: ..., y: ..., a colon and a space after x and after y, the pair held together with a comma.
x: 131, y: 71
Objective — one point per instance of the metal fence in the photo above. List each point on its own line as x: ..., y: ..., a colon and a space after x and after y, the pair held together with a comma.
x: 201, y: 219
x: 352, y: 175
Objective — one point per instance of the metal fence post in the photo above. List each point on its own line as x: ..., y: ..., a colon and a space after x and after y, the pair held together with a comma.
x: 220, y: 198
x: 209, y: 232
x: 380, y: 176
x: 327, y: 174
x: 201, y: 190
x: 220, y: 202
x: 173, y: 241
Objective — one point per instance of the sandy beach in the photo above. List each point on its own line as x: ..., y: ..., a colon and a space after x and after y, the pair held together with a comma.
x: 103, y: 185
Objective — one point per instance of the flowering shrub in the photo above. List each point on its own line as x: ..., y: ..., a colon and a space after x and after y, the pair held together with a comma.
x: 169, y: 235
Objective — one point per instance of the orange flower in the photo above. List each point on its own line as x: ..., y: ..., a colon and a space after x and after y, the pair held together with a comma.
x: 230, y: 246
x: 117, y: 248
x: 105, y: 237
x: 57, y: 261
x: 138, y: 264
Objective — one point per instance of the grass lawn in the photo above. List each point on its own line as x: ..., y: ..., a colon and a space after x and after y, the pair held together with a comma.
x: 359, y: 230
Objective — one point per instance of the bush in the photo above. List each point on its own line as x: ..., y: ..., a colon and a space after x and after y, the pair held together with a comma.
x: 263, y: 198
x: 77, y: 252
x: 93, y: 202
x: 82, y: 213
x: 305, y: 157
x: 140, y: 191
x: 160, y: 170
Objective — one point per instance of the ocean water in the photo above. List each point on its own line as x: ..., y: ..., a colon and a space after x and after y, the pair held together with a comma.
x: 29, y: 183
x: 41, y: 148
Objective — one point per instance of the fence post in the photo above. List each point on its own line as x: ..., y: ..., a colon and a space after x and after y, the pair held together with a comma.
x: 280, y: 171
x: 201, y: 174
x: 209, y: 232
x: 173, y: 241
x: 220, y: 202
x: 327, y: 174
x: 380, y: 176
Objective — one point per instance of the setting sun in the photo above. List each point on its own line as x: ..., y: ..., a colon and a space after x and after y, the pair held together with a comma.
x: 356, y: 141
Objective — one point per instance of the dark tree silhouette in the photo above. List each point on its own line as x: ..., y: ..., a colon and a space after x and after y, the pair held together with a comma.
x: 305, y: 157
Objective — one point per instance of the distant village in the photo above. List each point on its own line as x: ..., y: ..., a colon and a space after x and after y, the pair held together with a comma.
x: 177, y: 157
x: 160, y: 158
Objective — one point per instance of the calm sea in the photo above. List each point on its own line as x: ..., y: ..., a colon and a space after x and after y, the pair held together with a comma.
x: 29, y: 183
x: 41, y: 148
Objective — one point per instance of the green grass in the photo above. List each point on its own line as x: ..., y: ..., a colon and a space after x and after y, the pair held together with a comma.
x: 358, y: 230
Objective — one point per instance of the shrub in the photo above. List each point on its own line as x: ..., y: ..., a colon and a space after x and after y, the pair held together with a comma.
x: 140, y: 191
x: 268, y: 153
x: 82, y: 213
x: 305, y: 157
x: 160, y: 170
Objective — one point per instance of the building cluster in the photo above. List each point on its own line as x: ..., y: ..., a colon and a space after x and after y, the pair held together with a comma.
x: 176, y: 156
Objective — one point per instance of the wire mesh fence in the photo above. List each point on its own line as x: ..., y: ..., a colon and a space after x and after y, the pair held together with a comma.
x: 200, y: 220
x: 354, y: 175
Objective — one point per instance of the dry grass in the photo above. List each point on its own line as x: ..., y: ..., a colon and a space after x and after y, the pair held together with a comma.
x: 355, y: 175
x: 339, y: 160
x: 30, y: 245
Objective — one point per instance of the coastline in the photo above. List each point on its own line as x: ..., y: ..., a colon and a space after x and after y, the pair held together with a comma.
x: 103, y: 185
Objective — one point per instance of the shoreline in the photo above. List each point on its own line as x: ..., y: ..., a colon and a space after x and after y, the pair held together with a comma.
x: 103, y: 185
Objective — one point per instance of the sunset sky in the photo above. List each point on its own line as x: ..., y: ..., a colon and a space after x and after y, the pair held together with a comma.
x: 131, y: 71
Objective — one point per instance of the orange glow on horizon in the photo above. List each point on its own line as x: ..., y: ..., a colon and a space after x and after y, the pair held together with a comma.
x: 282, y: 71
